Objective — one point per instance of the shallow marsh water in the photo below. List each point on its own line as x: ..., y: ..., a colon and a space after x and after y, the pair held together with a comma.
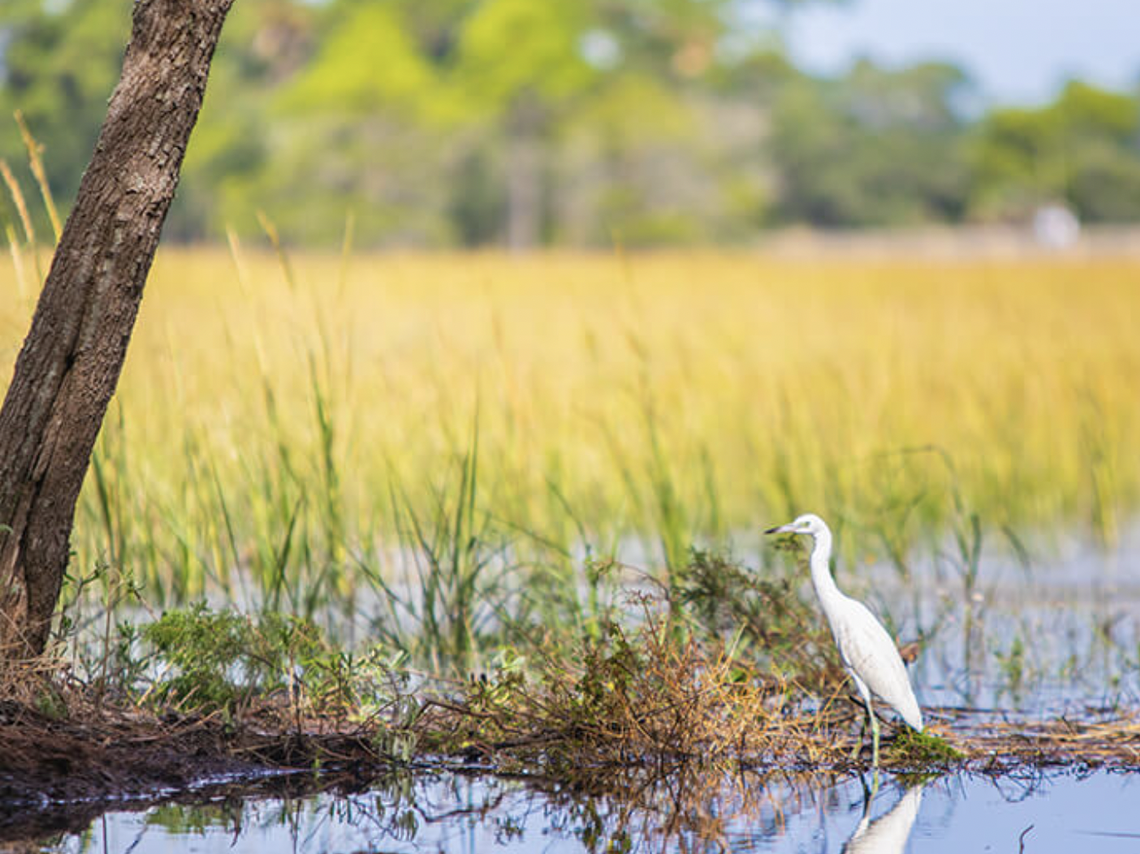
x: 1057, y: 813
x: 1062, y: 637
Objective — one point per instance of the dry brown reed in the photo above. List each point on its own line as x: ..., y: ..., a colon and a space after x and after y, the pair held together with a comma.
x: 1003, y: 746
x: 36, y: 163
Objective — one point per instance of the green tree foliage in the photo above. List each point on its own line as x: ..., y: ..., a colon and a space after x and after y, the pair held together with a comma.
x: 58, y: 64
x: 1083, y: 150
x: 875, y: 147
x: 362, y: 125
x: 465, y: 122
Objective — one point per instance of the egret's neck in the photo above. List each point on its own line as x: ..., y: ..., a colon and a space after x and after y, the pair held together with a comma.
x: 821, y: 578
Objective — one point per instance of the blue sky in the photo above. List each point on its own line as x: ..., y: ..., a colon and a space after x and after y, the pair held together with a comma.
x: 1017, y: 50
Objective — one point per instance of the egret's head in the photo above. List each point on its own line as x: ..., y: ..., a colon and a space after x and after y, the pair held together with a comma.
x: 808, y: 523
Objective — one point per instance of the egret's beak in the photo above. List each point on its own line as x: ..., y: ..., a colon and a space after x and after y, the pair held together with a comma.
x: 781, y: 529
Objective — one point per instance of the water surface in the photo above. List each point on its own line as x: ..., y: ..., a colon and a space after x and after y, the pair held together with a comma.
x: 1059, y: 812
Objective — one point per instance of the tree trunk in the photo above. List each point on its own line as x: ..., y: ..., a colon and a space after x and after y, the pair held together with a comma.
x: 70, y: 362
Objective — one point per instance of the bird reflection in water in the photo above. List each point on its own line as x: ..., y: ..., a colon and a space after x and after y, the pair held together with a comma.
x: 888, y: 833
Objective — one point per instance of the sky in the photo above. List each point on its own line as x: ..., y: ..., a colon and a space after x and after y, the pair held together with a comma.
x: 1018, y: 51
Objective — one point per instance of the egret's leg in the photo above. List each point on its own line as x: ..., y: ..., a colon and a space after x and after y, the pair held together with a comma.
x: 865, y: 693
x: 870, y: 794
x: 874, y: 740
x: 859, y: 740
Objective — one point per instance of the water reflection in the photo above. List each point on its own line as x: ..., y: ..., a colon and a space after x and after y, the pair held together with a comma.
x: 887, y: 834
x: 743, y: 812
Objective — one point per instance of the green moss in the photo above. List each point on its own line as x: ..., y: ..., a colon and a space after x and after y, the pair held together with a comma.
x: 921, y: 750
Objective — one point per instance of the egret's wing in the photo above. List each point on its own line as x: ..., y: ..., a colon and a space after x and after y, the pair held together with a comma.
x: 870, y: 652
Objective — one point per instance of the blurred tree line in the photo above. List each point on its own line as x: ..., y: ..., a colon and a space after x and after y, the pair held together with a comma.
x: 471, y: 122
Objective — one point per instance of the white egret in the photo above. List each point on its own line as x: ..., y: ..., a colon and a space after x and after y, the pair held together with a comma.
x: 869, y: 655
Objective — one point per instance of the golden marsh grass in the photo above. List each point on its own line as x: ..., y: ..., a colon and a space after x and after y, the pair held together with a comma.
x: 270, y: 422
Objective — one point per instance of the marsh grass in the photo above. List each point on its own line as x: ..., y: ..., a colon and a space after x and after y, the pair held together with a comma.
x: 459, y: 593
x: 290, y: 452
x: 256, y: 456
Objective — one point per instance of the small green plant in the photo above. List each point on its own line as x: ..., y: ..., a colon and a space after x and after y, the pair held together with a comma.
x: 1012, y: 665
x: 223, y: 660
x: 51, y: 703
x: 770, y: 621
x: 921, y: 750
x: 398, y: 740
x: 342, y: 684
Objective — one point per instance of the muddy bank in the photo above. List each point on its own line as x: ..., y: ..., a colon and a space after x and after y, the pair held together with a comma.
x: 124, y: 755
x: 56, y: 775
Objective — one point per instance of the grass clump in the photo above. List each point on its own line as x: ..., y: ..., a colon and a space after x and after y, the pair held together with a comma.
x: 614, y: 700
x: 661, y: 689
x: 764, y: 617
x: 911, y: 749
x: 221, y: 660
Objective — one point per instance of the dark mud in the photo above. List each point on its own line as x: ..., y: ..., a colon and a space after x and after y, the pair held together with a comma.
x: 57, y: 775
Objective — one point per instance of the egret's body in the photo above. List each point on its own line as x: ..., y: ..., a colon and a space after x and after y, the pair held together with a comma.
x: 868, y: 653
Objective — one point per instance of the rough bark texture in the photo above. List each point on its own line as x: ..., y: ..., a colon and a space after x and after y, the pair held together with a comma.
x: 70, y: 362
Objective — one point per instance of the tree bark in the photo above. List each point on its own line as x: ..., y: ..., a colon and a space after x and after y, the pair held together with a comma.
x: 69, y: 365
